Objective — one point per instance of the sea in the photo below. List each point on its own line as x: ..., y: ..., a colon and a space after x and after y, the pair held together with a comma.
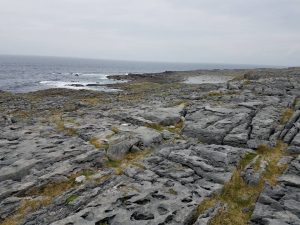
x: 22, y: 74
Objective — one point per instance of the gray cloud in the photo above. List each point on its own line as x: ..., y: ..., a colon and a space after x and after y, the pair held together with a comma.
x: 231, y: 31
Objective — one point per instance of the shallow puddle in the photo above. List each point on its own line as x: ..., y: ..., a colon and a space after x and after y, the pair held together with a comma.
x: 208, y: 79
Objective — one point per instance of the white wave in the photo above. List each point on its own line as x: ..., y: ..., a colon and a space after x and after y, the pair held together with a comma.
x: 75, y: 85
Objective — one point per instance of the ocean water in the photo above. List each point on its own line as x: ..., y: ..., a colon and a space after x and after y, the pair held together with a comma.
x: 31, y: 73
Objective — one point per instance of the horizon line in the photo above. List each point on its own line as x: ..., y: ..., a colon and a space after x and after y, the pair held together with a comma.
x: 150, y: 61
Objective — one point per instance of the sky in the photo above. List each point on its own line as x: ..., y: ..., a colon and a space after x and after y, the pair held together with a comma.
x: 264, y: 32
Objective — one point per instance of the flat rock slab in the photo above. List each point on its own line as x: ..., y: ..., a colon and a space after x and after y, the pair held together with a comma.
x: 167, y: 189
x: 17, y: 170
x: 164, y: 116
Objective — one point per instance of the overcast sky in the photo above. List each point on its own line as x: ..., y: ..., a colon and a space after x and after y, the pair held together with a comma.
x: 205, y: 31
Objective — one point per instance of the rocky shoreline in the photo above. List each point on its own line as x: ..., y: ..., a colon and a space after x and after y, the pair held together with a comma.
x: 160, y: 151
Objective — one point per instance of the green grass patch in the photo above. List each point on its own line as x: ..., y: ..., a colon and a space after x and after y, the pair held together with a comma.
x: 87, y: 173
x: 246, y: 159
x: 71, y: 198
x: 115, y: 130
x: 206, y: 204
x: 172, y: 191
x: 156, y: 126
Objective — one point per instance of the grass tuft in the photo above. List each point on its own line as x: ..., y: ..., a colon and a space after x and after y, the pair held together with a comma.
x: 60, y: 125
x: 98, y: 143
x: 174, y: 129
x: 71, y: 198
x: 206, y: 204
x: 131, y: 159
x: 156, y: 126
x: 172, y: 191
x: 272, y: 157
x: 246, y: 160
x: 115, y: 130
x: 286, y: 115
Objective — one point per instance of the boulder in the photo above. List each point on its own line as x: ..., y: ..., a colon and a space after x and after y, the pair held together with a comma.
x: 118, y: 150
x: 148, y: 136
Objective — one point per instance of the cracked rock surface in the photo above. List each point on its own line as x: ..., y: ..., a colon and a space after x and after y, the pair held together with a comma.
x: 149, y: 154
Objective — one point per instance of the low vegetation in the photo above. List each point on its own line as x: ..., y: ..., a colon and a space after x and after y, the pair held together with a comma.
x: 156, y: 126
x: 131, y: 159
x: 273, y: 156
x: 239, y: 197
x: 286, y: 115
x: 206, y: 204
x: 71, y: 198
x: 115, y: 130
x: 60, y: 124
x: 143, y: 86
x: 97, y: 143
x: 94, y: 100
x: 173, y: 129
x: 172, y: 191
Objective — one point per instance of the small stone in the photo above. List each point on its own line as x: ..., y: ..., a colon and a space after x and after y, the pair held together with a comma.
x: 134, y: 148
x: 167, y: 135
x: 245, y: 210
x: 80, y: 179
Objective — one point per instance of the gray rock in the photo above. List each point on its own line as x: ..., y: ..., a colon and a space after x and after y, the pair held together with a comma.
x: 167, y: 135
x: 292, y: 206
x: 292, y: 120
x: 9, y: 206
x: 18, y: 170
x: 264, y: 122
x: 293, y: 149
x: 148, y: 136
x: 290, y: 180
x: 238, y: 137
x: 119, y: 150
x: 211, y: 130
x: 252, y: 175
x: 290, y: 135
x: 165, y: 116
x: 296, y: 141
x: 252, y: 104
